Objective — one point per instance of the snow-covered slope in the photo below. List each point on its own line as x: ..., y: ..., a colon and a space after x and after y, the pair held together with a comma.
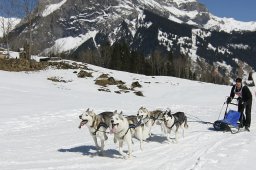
x: 39, y: 123
x: 229, y: 24
x: 52, y: 7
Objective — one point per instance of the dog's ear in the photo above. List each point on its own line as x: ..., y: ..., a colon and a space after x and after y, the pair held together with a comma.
x: 121, y: 116
x: 166, y: 112
x: 168, y: 109
x: 87, y: 110
x: 169, y: 113
x: 115, y: 112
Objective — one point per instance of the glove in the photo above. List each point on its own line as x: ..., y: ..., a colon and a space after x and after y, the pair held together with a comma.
x: 228, y: 100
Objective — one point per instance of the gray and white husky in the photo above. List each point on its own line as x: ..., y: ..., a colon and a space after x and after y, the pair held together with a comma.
x: 97, y: 125
x: 175, y: 122
x: 122, y: 133
x: 136, y: 128
x: 149, y: 118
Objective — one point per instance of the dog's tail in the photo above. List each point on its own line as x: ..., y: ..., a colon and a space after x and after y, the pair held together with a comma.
x: 186, y: 122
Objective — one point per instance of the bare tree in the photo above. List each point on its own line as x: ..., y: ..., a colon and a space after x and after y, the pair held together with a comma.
x: 28, y: 6
x: 8, y: 22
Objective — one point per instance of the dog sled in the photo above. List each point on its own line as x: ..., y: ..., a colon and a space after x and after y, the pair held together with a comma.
x: 230, y: 122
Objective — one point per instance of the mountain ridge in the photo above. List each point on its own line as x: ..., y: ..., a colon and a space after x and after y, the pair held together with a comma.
x: 146, y: 26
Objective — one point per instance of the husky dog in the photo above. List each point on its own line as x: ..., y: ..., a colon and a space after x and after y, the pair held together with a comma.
x: 122, y: 133
x: 97, y: 125
x: 177, y: 120
x: 136, y: 128
x: 149, y: 118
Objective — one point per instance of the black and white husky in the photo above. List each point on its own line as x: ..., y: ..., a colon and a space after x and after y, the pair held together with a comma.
x: 97, y: 125
x: 175, y: 122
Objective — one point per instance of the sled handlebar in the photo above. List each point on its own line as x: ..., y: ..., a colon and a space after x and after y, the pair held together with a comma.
x: 232, y: 104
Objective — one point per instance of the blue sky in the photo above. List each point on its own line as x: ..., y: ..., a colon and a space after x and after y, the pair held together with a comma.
x: 242, y: 10
x: 17, y: 11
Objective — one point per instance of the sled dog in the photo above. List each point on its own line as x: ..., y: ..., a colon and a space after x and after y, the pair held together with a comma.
x: 97, y: 125
x: 149, y: 118
x: 175, y: 121
x: 122, y: 133
x: 136, y: 128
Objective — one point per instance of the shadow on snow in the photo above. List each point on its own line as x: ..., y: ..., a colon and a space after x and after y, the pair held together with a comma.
x: 91, y: 151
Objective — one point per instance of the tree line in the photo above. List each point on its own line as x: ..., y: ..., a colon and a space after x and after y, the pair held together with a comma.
x: 120, y: 57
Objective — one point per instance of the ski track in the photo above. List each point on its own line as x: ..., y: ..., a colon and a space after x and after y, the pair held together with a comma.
x: 193, y: 150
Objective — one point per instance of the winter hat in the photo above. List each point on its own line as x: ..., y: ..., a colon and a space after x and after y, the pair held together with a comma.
x: 239, y: 80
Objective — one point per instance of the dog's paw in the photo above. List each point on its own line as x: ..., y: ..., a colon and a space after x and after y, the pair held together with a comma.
x: 126, y: 157
x: 98, y: 148
x: 169, y: 141
x: 174, y: 141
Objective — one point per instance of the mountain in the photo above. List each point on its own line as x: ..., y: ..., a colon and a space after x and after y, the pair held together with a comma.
x: 182, y: 27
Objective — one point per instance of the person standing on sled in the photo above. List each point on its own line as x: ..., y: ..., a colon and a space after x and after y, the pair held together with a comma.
x: 244, y: 98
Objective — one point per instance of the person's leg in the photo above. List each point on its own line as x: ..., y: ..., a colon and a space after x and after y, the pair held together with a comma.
x: 242, y: 118
x: 248, y: 114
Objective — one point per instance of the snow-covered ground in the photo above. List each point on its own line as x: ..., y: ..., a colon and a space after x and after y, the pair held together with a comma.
x: 39, y: 124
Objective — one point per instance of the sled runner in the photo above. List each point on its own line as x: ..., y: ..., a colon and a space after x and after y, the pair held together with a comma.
x: 230, y: 122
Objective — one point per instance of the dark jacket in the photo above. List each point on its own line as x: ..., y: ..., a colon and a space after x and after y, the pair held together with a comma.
x: 246, y: 93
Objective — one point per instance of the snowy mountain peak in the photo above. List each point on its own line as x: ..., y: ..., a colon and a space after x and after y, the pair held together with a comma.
x: 182, y: 11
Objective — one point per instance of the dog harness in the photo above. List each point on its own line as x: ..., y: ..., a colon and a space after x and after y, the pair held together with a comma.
x: 154, y: 119
x: 174, y: 123
x: 132, y: 126
x: 98, y: 127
